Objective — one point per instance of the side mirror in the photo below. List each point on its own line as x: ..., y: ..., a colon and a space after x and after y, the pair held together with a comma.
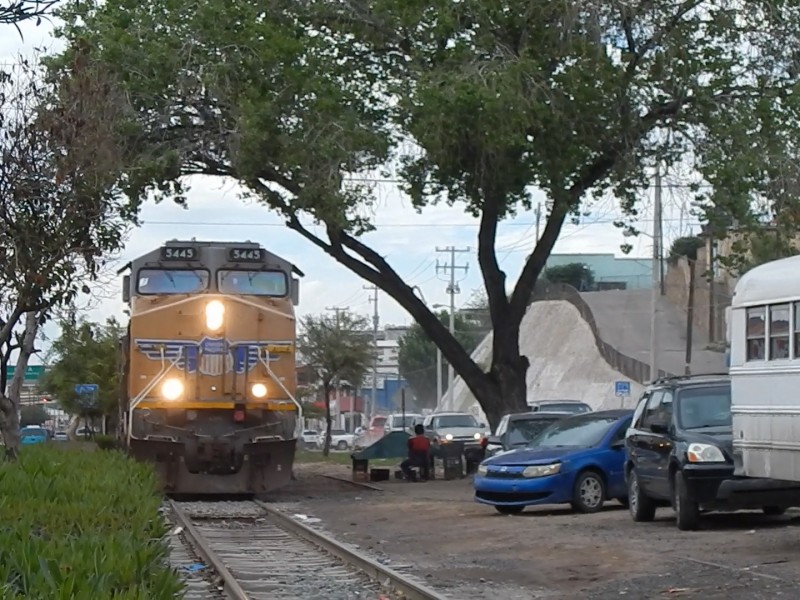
x: 659, y: 427
x: 618, y: 445
x: 295, y: 291
x: 493, y: 440
x: 126, y: 289
x: 482, y: 425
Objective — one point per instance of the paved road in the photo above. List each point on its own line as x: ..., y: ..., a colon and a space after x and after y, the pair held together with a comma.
x: 623, y: 320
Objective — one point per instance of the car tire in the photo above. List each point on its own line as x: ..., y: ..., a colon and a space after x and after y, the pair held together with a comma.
x: 640, y: 506
x: 509, y: 510
x: 773, y: 511
x: 687, y: 511
x: 589, y: 492
x: 341, y: 445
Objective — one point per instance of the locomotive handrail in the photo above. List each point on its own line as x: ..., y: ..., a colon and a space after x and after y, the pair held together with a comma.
x: 265, y: 361
x: 148, y: 388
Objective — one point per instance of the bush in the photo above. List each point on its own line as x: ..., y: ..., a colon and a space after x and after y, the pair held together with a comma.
x: 106, y: 442
x: 83, y: 526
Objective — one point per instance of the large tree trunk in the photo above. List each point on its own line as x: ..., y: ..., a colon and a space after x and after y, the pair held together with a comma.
x: 326, y: 446
x: 9, y: 403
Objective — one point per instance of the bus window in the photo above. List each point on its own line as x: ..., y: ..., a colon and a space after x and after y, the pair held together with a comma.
x: 254, y: 283
x: 797, y: 329
x: 171, y: 281
x: 756, y: 342
x: 779, y: 331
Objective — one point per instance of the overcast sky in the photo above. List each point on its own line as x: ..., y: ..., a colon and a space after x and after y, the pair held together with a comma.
x: 407, y: 239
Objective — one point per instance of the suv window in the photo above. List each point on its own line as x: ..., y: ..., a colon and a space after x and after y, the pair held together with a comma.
x: 651, y: 409
x: 638, y: 414
x: 501, y: 428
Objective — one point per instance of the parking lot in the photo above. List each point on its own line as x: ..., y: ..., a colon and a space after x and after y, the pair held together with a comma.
x: 469, y: 551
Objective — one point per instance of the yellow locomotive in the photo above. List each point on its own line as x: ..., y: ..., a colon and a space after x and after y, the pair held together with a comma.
x: 208, y: 366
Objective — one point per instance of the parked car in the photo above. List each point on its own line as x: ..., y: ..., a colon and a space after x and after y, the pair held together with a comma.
x: 60, y: 436
x: 680, y: 453
x: 574, y: 407
x: 340, y: 439
x: 33, y: 434
x: 309, y: 437
x: 518, y: 430
x: 578, y: 460
x: 401, y: 422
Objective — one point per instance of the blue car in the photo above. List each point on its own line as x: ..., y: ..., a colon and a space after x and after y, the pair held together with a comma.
x: 33, y: 435
x: 578, y: 460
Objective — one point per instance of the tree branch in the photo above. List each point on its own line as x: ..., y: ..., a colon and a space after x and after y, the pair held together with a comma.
x: 494, y: 278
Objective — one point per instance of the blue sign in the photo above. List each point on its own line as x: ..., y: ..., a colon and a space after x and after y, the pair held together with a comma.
x: 622, y: 388
x: 86, y: 388
x: 214, y: 347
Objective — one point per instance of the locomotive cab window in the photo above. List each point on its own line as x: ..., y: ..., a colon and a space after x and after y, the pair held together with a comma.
x: 171, y: 281
x: 252, y: 283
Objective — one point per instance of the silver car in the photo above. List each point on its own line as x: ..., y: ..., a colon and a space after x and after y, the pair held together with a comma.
x: 450, y: 427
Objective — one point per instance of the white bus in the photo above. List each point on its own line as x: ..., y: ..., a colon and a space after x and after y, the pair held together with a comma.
x: 765, y: 371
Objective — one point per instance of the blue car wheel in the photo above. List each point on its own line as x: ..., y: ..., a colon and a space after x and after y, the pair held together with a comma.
x: 589, y: 492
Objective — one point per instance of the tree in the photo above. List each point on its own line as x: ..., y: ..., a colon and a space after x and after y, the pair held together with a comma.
x: 85, y: 352
x: 14, y: 12
x: 576, y: 274
x: 417, y: 353
x: 61, y: 213
x: 688, y: 247
x: 477, y: 102
x: 32, y: 415
x: 339, y: 349
x: 758, y: 247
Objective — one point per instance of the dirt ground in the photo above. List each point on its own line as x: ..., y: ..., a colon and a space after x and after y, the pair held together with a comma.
x: 467, y: 550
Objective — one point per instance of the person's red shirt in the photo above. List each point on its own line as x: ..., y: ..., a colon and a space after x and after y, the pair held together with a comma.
x: 419, y: 443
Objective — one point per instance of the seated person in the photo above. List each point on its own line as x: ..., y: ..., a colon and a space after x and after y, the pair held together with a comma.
x: 419, y: 455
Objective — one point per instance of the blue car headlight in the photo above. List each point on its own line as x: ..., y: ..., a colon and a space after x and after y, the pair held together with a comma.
x: 541, y: 470
x: 483, y: 469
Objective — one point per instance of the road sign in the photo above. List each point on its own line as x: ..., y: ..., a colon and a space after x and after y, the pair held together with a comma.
x: 32, y: 372
x: 86, y: 388
x: 622, y: 388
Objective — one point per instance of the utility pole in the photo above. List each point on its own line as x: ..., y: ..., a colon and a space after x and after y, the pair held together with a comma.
x: 656, y: 275
x: 339, y: 310
x: 538, y: 219
x: 452, y: 289
x: 375, y: 321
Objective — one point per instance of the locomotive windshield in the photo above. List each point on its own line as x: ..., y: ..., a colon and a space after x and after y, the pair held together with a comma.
x: 172, y: 281
x: 254, y: 283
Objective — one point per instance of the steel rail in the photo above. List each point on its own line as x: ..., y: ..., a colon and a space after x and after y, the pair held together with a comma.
x: 373, y: 569
x: 229, y: 583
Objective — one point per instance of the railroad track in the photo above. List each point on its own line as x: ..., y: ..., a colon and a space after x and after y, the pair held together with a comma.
x: 257, y: 553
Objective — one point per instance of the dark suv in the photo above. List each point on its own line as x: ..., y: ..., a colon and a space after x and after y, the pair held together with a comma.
x: 680, y: 452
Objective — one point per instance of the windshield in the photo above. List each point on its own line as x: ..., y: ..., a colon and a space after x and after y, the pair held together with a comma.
x: 32, y: 432
x: 253, y: 283
x: 578, y: 432
x: 570, y: 407
x: 171, y: 281
x: 522, y: 432
x: 700, y: 408
x: 454, y: 421
x: 407, y: 422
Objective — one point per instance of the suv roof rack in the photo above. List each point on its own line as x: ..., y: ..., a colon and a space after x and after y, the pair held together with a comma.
x: 673, y: 378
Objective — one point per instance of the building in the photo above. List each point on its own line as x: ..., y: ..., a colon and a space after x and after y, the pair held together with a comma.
x: 610, y: 271
x: 389, y: 383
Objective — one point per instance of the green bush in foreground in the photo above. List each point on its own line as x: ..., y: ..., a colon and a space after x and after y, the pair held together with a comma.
x: 81, y: 526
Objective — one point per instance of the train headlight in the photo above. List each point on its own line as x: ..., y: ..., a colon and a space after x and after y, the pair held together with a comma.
x: 215, y: 315
x: 172, y: 389
x: 259, y: 390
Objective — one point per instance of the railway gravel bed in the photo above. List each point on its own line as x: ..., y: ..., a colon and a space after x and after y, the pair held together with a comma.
x: 268, y: 560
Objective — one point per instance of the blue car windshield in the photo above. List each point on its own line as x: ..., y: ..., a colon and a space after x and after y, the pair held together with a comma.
x: 575, y: 432
x: 32, y: 432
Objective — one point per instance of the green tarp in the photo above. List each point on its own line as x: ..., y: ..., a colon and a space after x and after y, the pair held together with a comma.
x: 393, y: 445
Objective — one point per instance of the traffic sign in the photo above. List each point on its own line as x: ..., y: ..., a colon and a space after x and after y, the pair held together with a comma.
x: 622, y: 388
x: 32, y: 372
x: 86, y: 388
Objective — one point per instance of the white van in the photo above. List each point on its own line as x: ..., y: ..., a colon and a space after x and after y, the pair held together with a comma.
x: 395, y: 422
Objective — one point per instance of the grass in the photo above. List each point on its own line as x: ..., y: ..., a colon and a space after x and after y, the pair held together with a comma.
x: 81, y: 526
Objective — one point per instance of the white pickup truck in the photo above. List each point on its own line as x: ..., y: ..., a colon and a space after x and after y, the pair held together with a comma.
x: 340, y: 440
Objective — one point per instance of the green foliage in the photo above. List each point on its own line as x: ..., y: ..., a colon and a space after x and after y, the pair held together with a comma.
x: 757, y: 248
x: 685, y: 247
x: 498, y: 98
x: 106, y: 442
x: 338, y: 348
x: 578, y: 275
x: 417, y: 354
x: 32, y: 415
x: 81, y: 525
x: 85, y: 352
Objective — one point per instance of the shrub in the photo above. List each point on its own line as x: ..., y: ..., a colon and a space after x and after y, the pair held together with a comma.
x: 106, y: 442
x: 83, y: 526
